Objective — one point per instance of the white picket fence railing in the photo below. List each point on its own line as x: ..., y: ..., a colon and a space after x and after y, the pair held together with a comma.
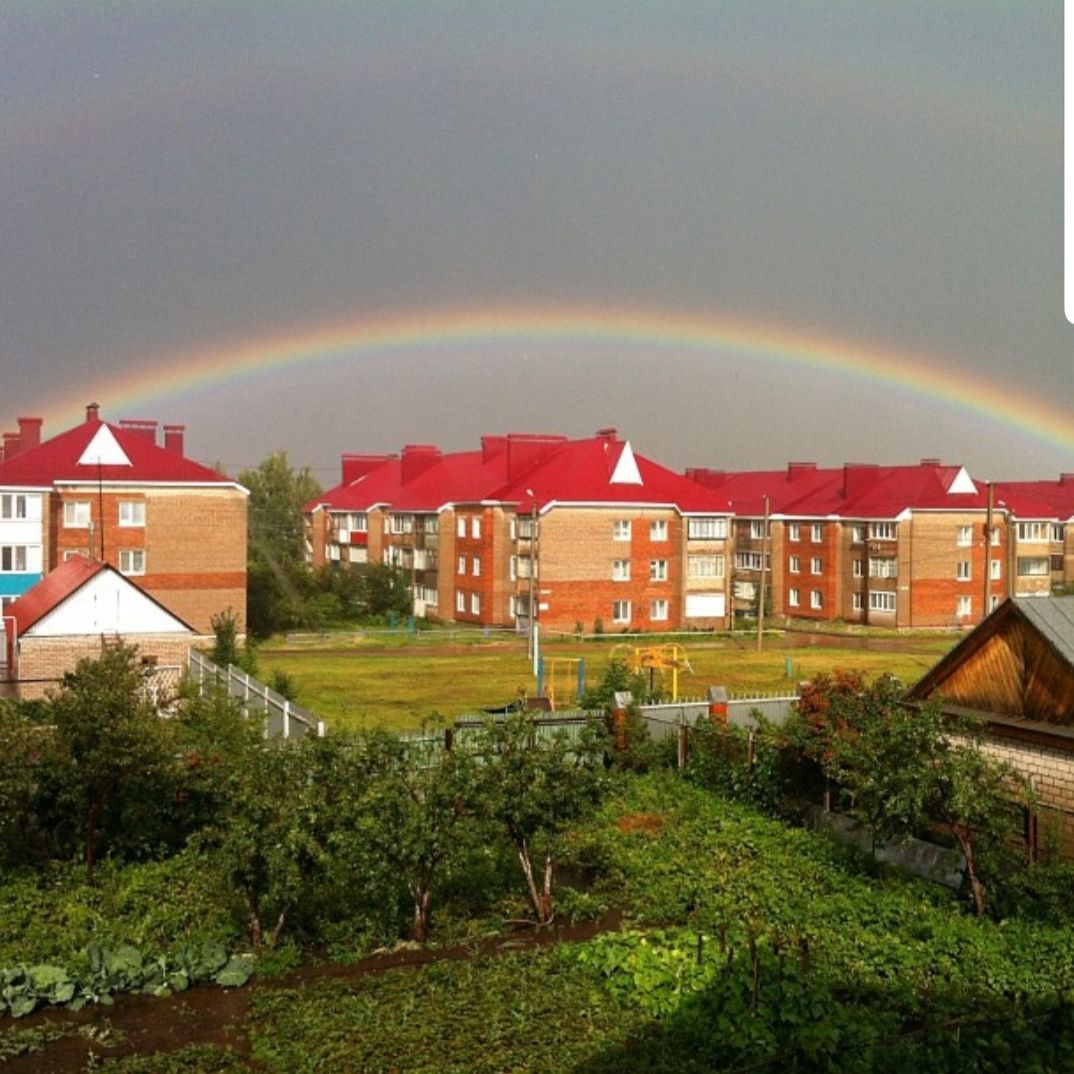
x: 283, y: 718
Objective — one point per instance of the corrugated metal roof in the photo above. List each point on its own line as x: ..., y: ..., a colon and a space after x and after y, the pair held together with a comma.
x: 1053, y: 617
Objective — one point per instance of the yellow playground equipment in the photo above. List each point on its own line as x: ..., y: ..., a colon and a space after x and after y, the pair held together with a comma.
x: 563, y: 679
x: 665, y: 659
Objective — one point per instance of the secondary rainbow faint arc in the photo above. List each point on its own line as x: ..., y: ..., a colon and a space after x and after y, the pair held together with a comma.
x: 428, y: 330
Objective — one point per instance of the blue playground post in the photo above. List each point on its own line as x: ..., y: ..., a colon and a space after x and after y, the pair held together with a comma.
x: 581, y: 678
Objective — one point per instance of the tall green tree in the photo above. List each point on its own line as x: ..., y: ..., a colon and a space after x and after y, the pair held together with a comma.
x: 109, y: 753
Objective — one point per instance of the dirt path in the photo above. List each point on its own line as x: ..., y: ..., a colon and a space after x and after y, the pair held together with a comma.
x: 146, y: 1025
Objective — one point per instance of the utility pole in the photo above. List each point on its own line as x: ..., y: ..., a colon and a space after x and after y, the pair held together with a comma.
x: 987, y: 571
x: 764, y: 567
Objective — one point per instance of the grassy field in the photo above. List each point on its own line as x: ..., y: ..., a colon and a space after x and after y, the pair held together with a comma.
x: 354, y: 683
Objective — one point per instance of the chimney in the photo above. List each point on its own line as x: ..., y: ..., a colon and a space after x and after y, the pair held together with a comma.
x: 492, y: 446
x: 800, y: 469
x: 147, y: 430
x: 931, y: 462
x: 11, y: 445
x: 356, y: 466
x: 857, y: 477
x: 610, y: 433
x: 29, y: 432
x: 417, y: 458
x: 93, y: 411
x: 1066, y: 479
x: 704, y: 476
x: 173, y: 438
x: 525, y: 449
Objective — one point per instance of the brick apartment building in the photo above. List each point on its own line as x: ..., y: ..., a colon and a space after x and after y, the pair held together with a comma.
x: 585, y: 532
x: 171, y: 526
x: 898, y: 546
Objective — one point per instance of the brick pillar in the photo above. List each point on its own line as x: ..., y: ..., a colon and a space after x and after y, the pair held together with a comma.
x: 718, y: 705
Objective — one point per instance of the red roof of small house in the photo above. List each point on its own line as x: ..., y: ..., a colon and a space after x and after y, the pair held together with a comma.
x: 58, y: 460
x: 52, y: 590
x: 59, y: 584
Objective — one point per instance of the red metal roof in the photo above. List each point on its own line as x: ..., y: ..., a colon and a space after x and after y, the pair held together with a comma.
x: 57, y: 460
x: 52, y: 591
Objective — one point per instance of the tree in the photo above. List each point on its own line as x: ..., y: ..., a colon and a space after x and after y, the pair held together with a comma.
x: 385, y: 590
x: 533, y: 787
x: 21, y: 746
x: 906, y: 769
x: 108, y: 754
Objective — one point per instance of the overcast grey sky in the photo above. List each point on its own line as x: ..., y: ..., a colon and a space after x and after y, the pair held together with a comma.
x: 181, y: 177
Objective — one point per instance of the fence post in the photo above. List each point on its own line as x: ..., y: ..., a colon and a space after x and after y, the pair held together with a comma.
x: 449, y: 739
x: 750, y: 755
x: 718, y: 712
x: 286, y: 719
x: 682, y: 746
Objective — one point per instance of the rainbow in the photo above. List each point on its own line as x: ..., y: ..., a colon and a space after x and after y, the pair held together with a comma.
x: 431, y: 332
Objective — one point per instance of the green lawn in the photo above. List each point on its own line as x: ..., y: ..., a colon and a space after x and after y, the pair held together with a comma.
x: 401, y: 685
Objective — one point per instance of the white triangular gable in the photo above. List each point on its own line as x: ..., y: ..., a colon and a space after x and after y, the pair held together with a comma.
x: 104, y: 450
x: 962, y: 482
x: 107, y: 604
x: 626, y: 470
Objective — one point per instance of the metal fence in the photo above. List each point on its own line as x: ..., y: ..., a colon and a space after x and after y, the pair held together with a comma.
x: 283, y: 718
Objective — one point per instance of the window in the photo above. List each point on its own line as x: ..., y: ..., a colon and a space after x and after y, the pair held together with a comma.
x: 460, y: 601
x: 816, y: 598
x: 884, y: 567
x: 475, y: 527
x: 995, y: 568
x: 1033, y: 566
x: 816, y: 565
x: 12, y: 505
x: 131, y: 561
x: 431, y: 524
x: 757, y: 529
x: 1033, y: 531
x: 658, y: 610
x: 702, y: 566
x: 12, y: 558
x: 658, y: 570
x: 965, y: 536
x: 882, y: 531
x: 855, y: 602
x: 796, y: 564
x: 748, y: 561
x: 794, y: 531
x: 964, y: 570
x: 76, y: 514
x: 621, y: 611
x: 817, y: 532
x: 995, y: 535
x: 658, y: 530
x: 706, y: 529
x: 620, y: 570
x: 1057, y: 533
x: 477, y: 566
x: 793, y: 597
x: 460, y: 529
x: 402, y: 523
x: 132, y: 512
x: 475, y: 603
x: 964, y: 607
x: 514, y: 568
x: 993, y: 603
x: 879, y: 601
x: 857, y: 533
x: 461, y: 569
x: 859, y: 569
x: 621, y: 529
x: 526, y: 528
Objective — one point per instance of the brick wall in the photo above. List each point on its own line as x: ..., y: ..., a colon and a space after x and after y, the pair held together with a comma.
x: 42, y: 662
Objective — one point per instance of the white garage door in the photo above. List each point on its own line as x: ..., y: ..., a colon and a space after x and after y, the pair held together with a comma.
x: 704, y: 605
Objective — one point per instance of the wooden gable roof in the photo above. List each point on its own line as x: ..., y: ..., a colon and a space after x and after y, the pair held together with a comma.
x: 1019, y: 663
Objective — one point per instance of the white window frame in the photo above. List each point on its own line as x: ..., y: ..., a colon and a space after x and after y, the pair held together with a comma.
x: 964, y: 570
x: 460, y: 601
x: 658, y: 610
x: 794, y: 531
x: 13, y: 506
x: 658, y: 570
x: 816, y: 599
x: 460, y: 526
x: 858, y: 569
x: 477, y: 566
x: 706, y: 528
x: 881, y: 531
x: 621, y: 529
x: 620, y: 570
x: 1057, y: 533
x: 475, y: 527
x: 757, y: 529
x: 1033, y: 532
x: 796, y: 565
x: 1028, y: 566
x: 620, y: 611
x: 461, y: 565
x: 77, y: 514
x: 964, y: 536
x: 816, y: 565
x: 132, y: 514
x: 995, y: 567
x: 964, y: 607
x: 816, y: 533
x: 475, y: 603
x: 882, y: 600
x: 855, y: 602
x: 857, y: 533
x: 704, y: 565
x: 794, y: 597
x: 658, y: 529
x: 748, y: 561
x: 883, y: 567
x: 14, y: 559
x: 132, y: 562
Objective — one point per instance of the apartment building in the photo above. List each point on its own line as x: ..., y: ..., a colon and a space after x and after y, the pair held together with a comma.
x: 902, y: 546
x: 576, y: 533
x: 113, y: 493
